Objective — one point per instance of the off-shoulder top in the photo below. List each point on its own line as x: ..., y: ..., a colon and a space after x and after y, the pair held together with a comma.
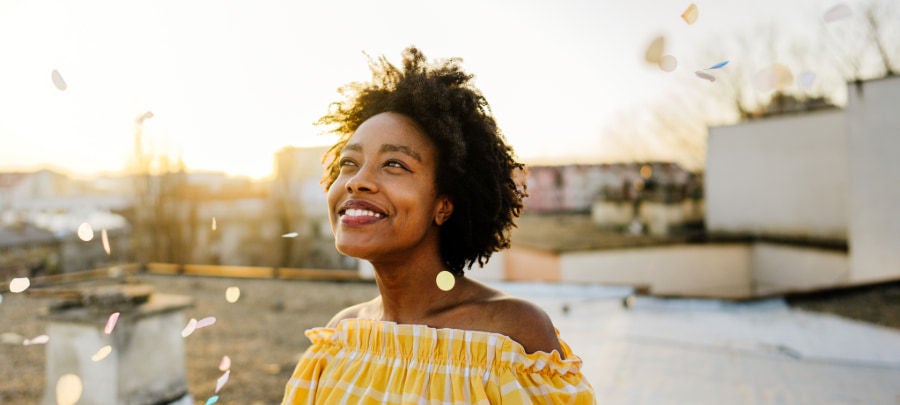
x: 377, y: 362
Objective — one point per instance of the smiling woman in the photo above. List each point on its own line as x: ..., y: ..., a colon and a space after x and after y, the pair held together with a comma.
x: 422, y: 184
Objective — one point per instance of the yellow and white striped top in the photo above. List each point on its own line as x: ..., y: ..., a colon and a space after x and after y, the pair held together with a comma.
x: 377, y: 362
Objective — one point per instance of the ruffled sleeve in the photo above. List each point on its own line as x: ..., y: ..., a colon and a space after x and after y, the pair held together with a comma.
x: 364, y: 361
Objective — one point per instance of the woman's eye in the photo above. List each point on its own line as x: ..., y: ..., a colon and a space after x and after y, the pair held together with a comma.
x: 394, y: 163
x: 346, y: 162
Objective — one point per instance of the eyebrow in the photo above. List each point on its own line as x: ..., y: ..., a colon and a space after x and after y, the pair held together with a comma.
x: 388, y: 148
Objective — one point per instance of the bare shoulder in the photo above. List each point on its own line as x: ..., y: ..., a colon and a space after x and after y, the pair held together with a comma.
x: 356, y: 311
x: 524, y: 322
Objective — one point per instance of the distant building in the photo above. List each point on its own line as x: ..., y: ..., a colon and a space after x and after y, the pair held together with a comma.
x: 301, y: 205
x: 660, y: 195
x: 794, y: 202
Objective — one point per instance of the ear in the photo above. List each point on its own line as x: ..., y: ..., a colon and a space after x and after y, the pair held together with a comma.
x: 443, y: 210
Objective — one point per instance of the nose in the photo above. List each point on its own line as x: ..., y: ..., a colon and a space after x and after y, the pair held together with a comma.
x: 362, y: 181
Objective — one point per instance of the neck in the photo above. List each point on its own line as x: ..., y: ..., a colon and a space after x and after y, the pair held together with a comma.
x: 409, y: 292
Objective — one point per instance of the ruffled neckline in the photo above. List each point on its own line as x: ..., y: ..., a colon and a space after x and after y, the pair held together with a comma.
x: 425, y: 344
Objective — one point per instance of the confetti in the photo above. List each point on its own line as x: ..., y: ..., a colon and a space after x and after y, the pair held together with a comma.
x: 58, y: 80
x: 232, y: 294
x: 838, y: 12
x: 668, y: 63
x: 85, y: 232
x: 191, y: 326
x: 102, y: 353
x: 445, y: 280
x: 68, y: 389
x: 213, y: 399
x: 213, y: 223
x: 690, y: 14
x: 655, y: 50
x: 717, y: 65
x: 775, y: 77
x: 225, y: 364
x: 290, y: 235
x: 706, y: 76
x: 19, y: 284
x: 111, y: 323
x: 222, y: 380
x: 12, y: 338
x: 1, y: 298
x: 105, y: 239
x: 806, y: 79
x: 37, y: 340
x: 209, y: 320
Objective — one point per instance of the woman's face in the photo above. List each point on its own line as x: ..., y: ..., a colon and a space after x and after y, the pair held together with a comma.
x: 383, y: 204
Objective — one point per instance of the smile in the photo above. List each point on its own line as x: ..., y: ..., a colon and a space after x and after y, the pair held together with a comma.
x: 360, y: 213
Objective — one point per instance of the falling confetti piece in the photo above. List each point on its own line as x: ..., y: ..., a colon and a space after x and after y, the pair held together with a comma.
x: 19, y: 284
x: 58, y: 80
x: 191, y: 326
x: 85, y: 232
x: 232, y: 294
x: 705, y: 76
x: 668, y: 63
x: 838, y: 12
x: 655, y: 50
x: 68, y: 389
x: 290, y: 235
x: 717, y: 65
x: 213, y: 223
x: 445, y: 280
x: 209, y: 320
x: 690, y: 14
x: 37, y: 340
x: 102, y: 353
x: 111, y: 323
x: 213, y: 399
x: 775, y: 77
x: 225, y: 364
x: 12, y: 338
x: 105, y: 239
x: 806, y: 79
x: 222, y: 380
x: 1, y: 298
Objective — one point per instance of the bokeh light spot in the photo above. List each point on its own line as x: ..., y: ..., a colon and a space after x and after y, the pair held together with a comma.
x: 19, y: 284
x: 68, y: 389
x: 85, y: 232
x: 445, y: 280
x: 668, y: 63
x: 232, y: 294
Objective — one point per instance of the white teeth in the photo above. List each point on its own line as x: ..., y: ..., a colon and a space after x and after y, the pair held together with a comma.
x: 360, y: 213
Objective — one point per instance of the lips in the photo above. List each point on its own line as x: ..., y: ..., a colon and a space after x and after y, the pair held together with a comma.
x: 359, y: 212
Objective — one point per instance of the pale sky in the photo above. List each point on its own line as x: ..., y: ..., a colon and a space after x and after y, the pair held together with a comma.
x: 232, y: 82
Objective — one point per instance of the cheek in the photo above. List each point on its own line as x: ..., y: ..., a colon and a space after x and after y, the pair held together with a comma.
x: 333, y: 195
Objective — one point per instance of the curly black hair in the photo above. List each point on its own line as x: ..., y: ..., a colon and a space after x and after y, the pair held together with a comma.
x: 476, y: 168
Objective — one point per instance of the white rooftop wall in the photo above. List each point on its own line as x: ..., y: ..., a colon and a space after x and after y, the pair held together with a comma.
x: 784, y: 176
x: 874, y: 149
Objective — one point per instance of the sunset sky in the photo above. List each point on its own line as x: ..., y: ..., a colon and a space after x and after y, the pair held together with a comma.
x: 229, y: 83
